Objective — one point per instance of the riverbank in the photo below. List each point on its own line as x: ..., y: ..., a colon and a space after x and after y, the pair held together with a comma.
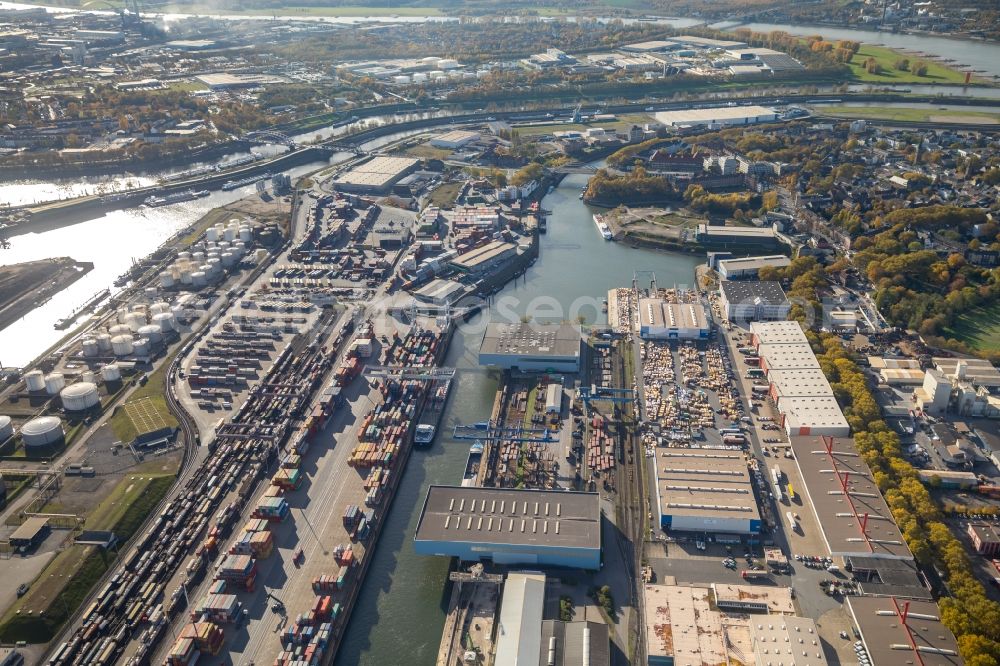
x: 23, y: 287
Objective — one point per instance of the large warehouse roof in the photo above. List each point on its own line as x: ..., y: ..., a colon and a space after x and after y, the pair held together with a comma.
x: 657, y: 313
x: 378, y: 172
x: 778, y: 332
x: 788, y: 356
x: 520, y: 638
x: 799, y: 382
x: 756, y: 291
x: 921, y: 639
x: 817, y: 412
x: 754, y: 263
x: 705, y: 483
x: 555, y: 519
x: 717, y: 114
x: 530, y: 339
x: 841, y: 516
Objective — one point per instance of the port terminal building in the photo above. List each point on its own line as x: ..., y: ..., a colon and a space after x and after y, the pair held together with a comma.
x: 753, y: 301
x: 511, y: 527
x: 659, y: 320
x: 532, y: 347
x: 706, y: 491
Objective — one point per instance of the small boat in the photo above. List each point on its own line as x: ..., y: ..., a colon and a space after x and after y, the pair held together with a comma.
x: 602, y: 227
x: 424, y: 434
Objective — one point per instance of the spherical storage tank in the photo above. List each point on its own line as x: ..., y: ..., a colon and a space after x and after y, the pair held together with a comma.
x: 34, y: 380
x: 80, y: 396
x: 111, y: 373
x: 42, y: 431
x: 6, y: 428
x: 164, y: 321
x: 121, y: 345
x: 152, y: 332
x: 90, y: 347
x: 54, y: 383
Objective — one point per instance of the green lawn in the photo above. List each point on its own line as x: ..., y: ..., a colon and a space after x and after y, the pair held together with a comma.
x: 186, y: 86
x: 155, y: 389
x: 429, y: 152
x: 936, y: 73
x: 909, y: 114
x: 444, y: 196
x: 979, y: 328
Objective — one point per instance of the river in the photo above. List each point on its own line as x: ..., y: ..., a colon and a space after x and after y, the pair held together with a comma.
x: 402, y: 604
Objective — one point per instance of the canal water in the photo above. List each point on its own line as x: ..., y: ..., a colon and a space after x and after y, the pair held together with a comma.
x: 401, y: 607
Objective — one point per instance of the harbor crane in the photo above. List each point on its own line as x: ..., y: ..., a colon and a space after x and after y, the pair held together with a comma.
x: 404, y: 372
x: 487, y: 431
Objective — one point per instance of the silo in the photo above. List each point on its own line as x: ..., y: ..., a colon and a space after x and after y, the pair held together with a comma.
x: 79, y: 397
x: 230, y: 233
x: 246, y: 234
x: 239, y: 248
x: 152, y: 332
x: 6, y: 429
x: 199, y: 279
x: 121, y: 314
x: 119, y: 329
x: 136, y: 320
x: 42, y: 431
x: 34, y: 380
x: 111, y: 373
x: 141, y: 347
x: 178, y: 312
x: 166, y: 280
x: 183, y: 256
x: 149, y: 292
x: 121, y: 345
x: 198, y: 258
x: 164, y: 321
x: 90, y: 347
x: 54, y: 383
x: 104, y: 342
x: 157, y: 308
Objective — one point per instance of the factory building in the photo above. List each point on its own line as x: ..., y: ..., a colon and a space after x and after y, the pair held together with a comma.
x: 747, y: 268
x: 454, y: 139
x: 717, y: 116
x: 753, y: 301
x: 532, y: 347
x: 707, y: 491
x: 484, y: 258
x: 508, y: 526
x: 737, y: 238
x: 933, y: 396
x: 376, y: 176
x: 777, y: 332
x: 813, y: 415
x: 30, y: 533
x: 440, y: 292
x: 779, y: 356
x: 520, y: 639
x: 659, y: 320
x: 901, y: 631
x: 851, y: 512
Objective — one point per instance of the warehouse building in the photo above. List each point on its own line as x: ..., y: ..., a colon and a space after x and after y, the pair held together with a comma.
x: 813, y: 415
x: 508, y: 526
x: 440, y: 292
x: 747, y: 268
x: 574, y: 643
x: 898, y: 631
x: 376, y: 176
x: 454, y: 139
x: 781, y: 356
x: 717, y: 116
x: 976, y: 371
x: 520, y: 639
x: 484, y: 258
x: 753, y: 301
x: 706, y: 491
x: 851, y: 512
x: 798, y: 383
x: 737, y: 238
x: 777, y: 332
x: 659, y: 320
x: 531, y: 347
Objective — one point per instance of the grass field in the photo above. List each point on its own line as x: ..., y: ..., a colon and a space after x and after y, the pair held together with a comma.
x: 186, y: 86
x: 979, y: 328
x: 444, y: 196
x: 936, y: 73
x: 427, y: 151
x: 154, y: 407
x: 911, y: 115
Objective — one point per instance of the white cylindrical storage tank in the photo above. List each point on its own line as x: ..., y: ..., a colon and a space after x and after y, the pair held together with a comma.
x: 164, y: 321
x: 228, y: 259
x: 199, y: 279
x: 157, y: 308
x: 239, y: 247
x: 54, y: 383
x: 111, y: 373
x: 139, y: 307
x: 178, y: 313
x: 136, y: 320
x: 43, y: 431
x: 104, y: 342
x: 224, y: 245
x: 152, y: 332
x: 166, y: 280
x: 186, y: 277
x: 121, y: 345
x: 121, y: 313
x: 80, y: 396
x: 6, y: 429
x: 184, y: 256
x: 119, y: 329
x: 150, y: 292
x: 141, y: 347
x: 260, y: 255
x: 231, y: 231
x: 245, y: 234
x: 212, y: 234
x: 90, y: 347
x: 88, y: 376
x: 34, y: 380
x: 198, y: 258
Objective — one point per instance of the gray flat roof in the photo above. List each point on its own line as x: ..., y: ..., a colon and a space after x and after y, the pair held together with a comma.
x: 770, y: 292
x: 29, y: 529
x: 530, y: 339
x: 554, y: 519
x: 884, y: 578
x: 705, y: 482
x: 746, y: 263
x: 889, y: 641
x: 377, y: 172
x: 570, y: 640
x: 658, y: 313
x: 839, y: 516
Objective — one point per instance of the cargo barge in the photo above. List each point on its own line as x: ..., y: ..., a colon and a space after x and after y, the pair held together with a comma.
x: 602, y: 227
x: 66, y: 322
x: 430, y: 418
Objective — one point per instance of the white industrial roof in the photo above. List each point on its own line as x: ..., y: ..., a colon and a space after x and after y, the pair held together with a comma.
x: 788, y: 641
x: 520, y: 633
x: 657, y: 313
x: 800, y: 382
x: 714, y: 114
x: 788, y: 356
x: 778, y: 332
x: 812, y: 412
